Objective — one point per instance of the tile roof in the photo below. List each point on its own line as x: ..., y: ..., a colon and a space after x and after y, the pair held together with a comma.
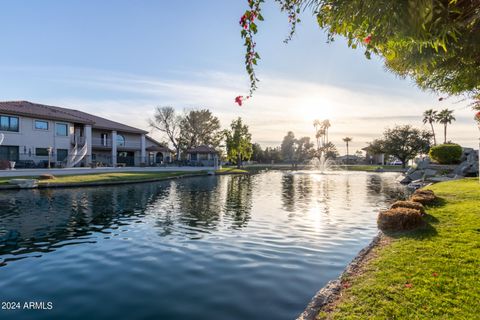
x: 26, y: 108
x: 202, y: 149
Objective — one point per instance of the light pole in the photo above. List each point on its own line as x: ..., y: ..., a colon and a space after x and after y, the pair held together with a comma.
x: 49, y: 155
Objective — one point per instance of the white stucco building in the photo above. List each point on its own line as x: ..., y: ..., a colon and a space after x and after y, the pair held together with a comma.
x: 34, y: 133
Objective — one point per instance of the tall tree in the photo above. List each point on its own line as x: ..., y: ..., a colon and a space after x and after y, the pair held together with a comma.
x: 445, y: 117
x: 200, y: 127
x: 239, y: 144
x: 304, y: 149
x: 330, y: 150
x: 347, y: 140
x: 166, y: 120
x: 404, y: 142
x: 257, y: 153
x: 430, y: 116
x: 326, y: 125
x: 288, y: 147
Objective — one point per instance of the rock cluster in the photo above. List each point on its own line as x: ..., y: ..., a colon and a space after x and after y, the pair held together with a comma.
x: 469, y: 163
x: 424, y: 170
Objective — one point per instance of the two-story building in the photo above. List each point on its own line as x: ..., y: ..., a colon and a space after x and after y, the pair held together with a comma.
x: 34, y: 134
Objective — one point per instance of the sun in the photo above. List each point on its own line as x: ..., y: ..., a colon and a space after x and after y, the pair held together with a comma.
x: 315, y: 107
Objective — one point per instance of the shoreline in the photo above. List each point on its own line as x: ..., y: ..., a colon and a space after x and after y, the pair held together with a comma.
x: 174, y: 175
x: 331, y: 291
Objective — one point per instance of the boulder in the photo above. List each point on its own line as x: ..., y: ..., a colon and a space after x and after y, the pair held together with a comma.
x: 24, y: 183
x: 423, y: 163
x: 417, y: 174
x: 430, y: 173
x: 399, y: 219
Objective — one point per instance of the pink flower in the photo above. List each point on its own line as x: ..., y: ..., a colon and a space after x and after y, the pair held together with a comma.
x: 435, y: 274
x: 367, y: 39
x: 238, y: 100
x: 477, y: 115
x: 408, y: 285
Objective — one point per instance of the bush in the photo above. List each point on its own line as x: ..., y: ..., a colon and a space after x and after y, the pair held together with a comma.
x: 446, y: 153
x: 423, y: 196
x: 399, y: 219
x: 46, y: 176
x: 409, y: 204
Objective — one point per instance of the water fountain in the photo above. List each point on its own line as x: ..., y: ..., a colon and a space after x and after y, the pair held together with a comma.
x: 321, y: 163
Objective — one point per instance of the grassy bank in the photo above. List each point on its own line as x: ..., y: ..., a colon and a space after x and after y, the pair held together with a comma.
x: 119, y: 177
x: 428, y: 274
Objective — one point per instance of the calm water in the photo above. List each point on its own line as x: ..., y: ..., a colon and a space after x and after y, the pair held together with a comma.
x: 228, y: 247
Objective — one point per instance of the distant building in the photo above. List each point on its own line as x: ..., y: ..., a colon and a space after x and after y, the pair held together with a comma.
x: 204, y: 156
x: 374, y: 158
x: 34, y: 132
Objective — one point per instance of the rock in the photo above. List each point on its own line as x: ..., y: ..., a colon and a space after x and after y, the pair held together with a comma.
x: 442, y: 178
x: 417, y: 174
x: 430, y: 173
x: 404, y: 180
x: 24, y: 183
x: 423, y: 164
x: 410, y: 170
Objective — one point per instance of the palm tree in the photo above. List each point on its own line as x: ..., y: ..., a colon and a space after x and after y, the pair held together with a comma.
x: 317, y: 125
x: 430, y: 116
x: 445, y: 117
x: 326, y: 124
x: 347, y: 140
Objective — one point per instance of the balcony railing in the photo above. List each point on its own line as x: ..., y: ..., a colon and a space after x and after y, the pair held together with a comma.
x: 77, y: 140
x: 107, y: 143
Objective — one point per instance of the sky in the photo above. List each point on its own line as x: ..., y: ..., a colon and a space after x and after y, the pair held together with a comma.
x: 120, y: 59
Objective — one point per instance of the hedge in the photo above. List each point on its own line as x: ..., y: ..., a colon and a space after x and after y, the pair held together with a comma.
x: 446, y: 153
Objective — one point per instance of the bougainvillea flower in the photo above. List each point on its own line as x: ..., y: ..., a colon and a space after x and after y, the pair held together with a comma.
x: 238, y: 100
x: 477, y: 115
x: 408, y: 285
x: 367, y: 39
x: 435, y: 274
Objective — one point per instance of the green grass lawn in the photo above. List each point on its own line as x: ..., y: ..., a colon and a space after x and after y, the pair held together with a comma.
x: 429, y: 274
x: 231, y: 170
x: 119, y: 176
x: 104, y: 177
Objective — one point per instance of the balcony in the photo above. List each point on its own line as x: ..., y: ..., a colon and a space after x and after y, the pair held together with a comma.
x: 77, y: 140
x: 107, y: 144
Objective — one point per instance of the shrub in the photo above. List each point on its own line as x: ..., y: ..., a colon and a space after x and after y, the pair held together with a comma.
x: 409, y: 204
x: 399, y: 219
x: 446, y: 153
x: 4, y: 164
x: 423, y: 196
x: 46, y: 176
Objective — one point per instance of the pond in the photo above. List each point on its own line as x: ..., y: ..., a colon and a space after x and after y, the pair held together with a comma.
x: 222, y: 247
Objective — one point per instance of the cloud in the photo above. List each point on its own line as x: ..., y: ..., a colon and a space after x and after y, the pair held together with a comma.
x: 360, y: 111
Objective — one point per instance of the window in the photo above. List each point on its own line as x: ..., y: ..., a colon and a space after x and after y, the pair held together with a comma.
x: 120, y: 140
x: 41, y: 125
x: 61, y: 129
x: 8, y: 123
x: 9, y: 153
x: 62, y: 155
x: 193, y: 157
x: 43, y: 152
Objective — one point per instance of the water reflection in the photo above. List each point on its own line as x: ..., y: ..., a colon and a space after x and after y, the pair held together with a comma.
x: 217, y: 244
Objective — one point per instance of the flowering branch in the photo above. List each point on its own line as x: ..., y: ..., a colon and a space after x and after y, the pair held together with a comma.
x: 249, y: 29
